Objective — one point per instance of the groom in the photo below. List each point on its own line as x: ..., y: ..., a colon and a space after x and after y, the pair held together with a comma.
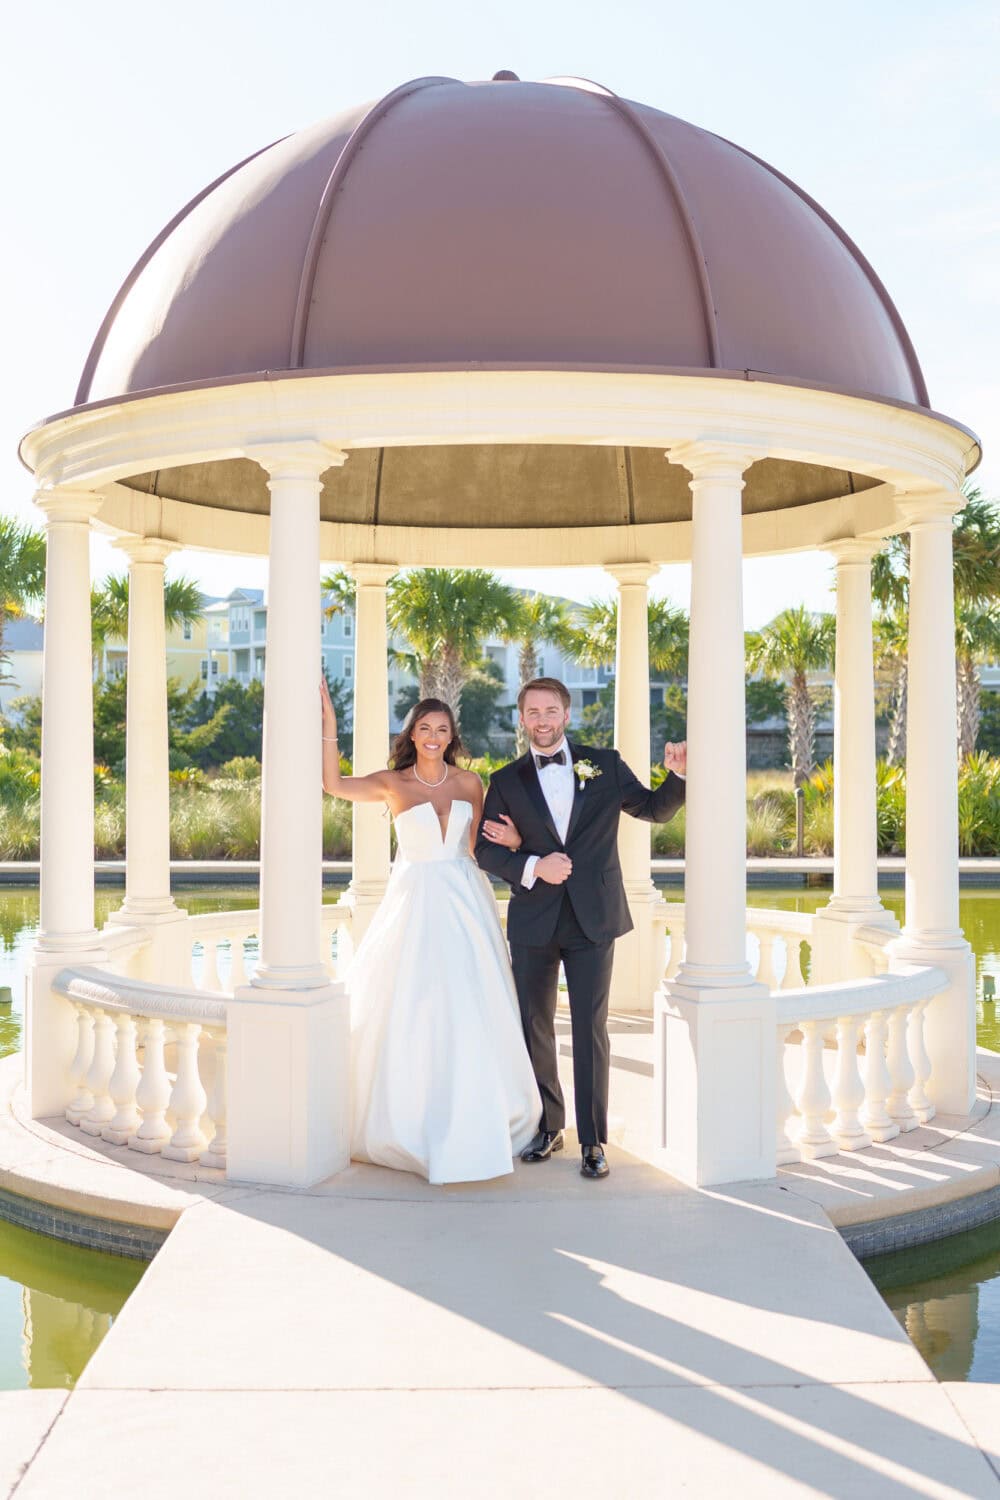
x: 550, y: 829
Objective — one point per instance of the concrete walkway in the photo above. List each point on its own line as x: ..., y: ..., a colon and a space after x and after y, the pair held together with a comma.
x: 536, y: 1336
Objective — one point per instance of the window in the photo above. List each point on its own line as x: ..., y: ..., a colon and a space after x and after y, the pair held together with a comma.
x: 541, y: 666
x: 204, y: 669
x: 188, y: 630
x: 215, y: 667
x: 348, y: 627
x: 348, y: 666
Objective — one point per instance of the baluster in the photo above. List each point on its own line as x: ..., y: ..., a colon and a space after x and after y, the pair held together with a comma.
x: 215, y: 1156
x: 187, y: 1098
x: 124, y: 1081
x: 788, y: 1149
x: 765, y: 969
x: 99, y: 1075
x: 814, y: 1096
x: 901, y: 1071
x: 875, y: 1118
x: 848, y: 1088
x: 675, y: 928
x: 153, y: 1094
x: 210, y: 965
x: 238, y: 973
x: 794, y: 979
x: 83, y: 1099
x: 920, y: 1061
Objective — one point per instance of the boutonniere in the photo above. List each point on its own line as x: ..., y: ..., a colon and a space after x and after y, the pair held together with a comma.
x: 584, y: 771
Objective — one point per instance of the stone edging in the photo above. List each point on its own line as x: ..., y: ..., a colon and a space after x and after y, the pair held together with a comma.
x: 114, y: 1237
x: 938, y: 1222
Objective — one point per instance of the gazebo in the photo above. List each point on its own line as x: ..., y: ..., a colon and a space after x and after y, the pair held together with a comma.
x: 521, y: 324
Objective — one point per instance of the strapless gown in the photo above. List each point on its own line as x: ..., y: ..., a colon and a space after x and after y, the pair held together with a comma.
x: 441, y: 1080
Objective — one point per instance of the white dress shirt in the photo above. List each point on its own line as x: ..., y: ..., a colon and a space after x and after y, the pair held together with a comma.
x: 558, y: 789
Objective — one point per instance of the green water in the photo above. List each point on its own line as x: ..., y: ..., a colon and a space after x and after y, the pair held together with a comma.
x: 57, y: 1302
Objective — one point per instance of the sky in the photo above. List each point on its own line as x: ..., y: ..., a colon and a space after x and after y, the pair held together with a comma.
x: 114, y: 114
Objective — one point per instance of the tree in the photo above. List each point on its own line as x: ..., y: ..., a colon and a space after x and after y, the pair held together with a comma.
x: 890, y: 637
x: 795, y: 643
x: 593, y: 637
x: 242, y: 733
x: 977, y: 640
x: 540, y: 620
x: 445, y: 614
x: 182, y: 605
x: 190, y: 742
x: 22, y: 574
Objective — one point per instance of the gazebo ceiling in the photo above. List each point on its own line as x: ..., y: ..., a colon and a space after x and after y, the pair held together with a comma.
x: 501, y: 225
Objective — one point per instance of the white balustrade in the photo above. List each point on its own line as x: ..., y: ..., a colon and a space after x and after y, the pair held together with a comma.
x: 124, y: 1091
x: 218, y: 937
x: 901, y: 1073
x: 920, y: 1062
x: 786, y: 1115
x: 848, y: 1088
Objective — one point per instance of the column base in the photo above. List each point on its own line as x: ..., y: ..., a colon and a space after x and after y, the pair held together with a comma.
x: 641, y: 955
x: 835, y: 955
x: 715, y: 1083
x: 166, y: 956
x: 362, y: 899
x: 950, y: 1017
x: 288, y: 1082
x: 51, y: 1021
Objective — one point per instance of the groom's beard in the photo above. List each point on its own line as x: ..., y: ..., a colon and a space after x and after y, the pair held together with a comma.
x: 544, y: 739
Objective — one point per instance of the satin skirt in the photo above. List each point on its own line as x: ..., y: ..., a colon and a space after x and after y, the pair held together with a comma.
x: 442, y: 1082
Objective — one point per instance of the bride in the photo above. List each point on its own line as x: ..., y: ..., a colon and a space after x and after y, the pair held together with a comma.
x: 442, y: 1084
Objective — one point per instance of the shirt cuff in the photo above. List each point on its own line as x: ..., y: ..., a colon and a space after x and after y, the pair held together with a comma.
x: 681, y: 776
x: 528, y: 873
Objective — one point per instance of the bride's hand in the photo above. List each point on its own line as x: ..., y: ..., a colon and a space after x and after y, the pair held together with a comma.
x: 502, y: 832
x: 329, y: 712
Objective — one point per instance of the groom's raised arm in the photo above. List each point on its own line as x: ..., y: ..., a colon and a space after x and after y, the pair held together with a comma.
x: 496, y: 859
x: 640, y: 802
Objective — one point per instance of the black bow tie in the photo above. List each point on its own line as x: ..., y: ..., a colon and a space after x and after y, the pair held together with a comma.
x: 559, y: 759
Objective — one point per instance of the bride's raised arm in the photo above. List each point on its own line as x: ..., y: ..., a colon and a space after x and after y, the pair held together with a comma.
x: 352, y: 788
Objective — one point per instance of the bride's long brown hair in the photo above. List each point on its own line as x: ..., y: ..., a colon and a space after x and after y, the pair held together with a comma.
x: 404, y: 751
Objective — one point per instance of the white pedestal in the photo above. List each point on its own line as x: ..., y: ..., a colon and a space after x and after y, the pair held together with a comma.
x: 715, y: 1083
x: 949, y: 1020
x: 835, y: 955
x: 641, y: 955
x: 51, y: 1029
x: 288, y: 1079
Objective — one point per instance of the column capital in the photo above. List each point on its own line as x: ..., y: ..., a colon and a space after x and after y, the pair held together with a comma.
x: 854, y: 550
x: 935, y: 509
x: 63, y: 503
x: 633, y: 573
x: 299, y: 458
x: 145, y: 549
x: 371, y: 574
x: 713, y: 458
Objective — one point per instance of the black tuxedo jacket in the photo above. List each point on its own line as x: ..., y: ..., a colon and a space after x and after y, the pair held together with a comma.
x: 595, y: 887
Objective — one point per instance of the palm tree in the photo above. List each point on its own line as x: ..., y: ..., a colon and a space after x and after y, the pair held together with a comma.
x: 795, y: 643
x: 890, y: 636
x: 445, y: 614
x: 182, y: 605
x: 540, y: 619
x: 22, y: 572
x: 593, y: 640
x: 977, y: 639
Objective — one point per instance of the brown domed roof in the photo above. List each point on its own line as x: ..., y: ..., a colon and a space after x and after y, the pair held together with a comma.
x: 502, y: 224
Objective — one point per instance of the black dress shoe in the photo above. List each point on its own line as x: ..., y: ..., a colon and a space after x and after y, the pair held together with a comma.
x: 595, y: 1163
x: 543, y: 1145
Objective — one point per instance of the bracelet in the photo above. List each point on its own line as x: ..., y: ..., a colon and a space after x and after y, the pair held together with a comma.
x: 327, y: 740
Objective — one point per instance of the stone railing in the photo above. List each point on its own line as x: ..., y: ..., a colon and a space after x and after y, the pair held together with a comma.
x: 149, y: 1071
x: 771, y: 936
x: 852, y: 1065
x: 224, y: 946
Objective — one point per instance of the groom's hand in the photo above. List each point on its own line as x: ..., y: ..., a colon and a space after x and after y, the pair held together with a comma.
x: 554, y: 869
x: 675, y: 757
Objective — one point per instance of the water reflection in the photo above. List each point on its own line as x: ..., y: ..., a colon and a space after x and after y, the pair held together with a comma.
x: 947, y: 1298
x: 57, y: 1302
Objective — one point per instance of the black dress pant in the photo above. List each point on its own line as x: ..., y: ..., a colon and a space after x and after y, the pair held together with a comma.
x: 588, y: 979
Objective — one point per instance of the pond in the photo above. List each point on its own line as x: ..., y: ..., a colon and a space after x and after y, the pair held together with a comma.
x: 58, y: 1301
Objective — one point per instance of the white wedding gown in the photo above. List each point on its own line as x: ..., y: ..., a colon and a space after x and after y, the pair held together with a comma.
x: 442, y: 1083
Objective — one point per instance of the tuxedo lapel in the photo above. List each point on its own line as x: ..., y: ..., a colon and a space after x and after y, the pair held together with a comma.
x: 578, y: 794
x: 528, y: 773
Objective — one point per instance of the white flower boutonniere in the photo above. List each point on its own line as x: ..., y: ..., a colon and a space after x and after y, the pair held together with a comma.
x: 584, y: 771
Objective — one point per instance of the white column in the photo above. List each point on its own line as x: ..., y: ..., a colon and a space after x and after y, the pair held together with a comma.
x: 147, y: 765
x: 855, y: 900
x: 370, y: 841
x: 931, y: 933
x: 716, y: 1024
x: 67, y: 797
x: 640, y: 955
x: 288, y: 1031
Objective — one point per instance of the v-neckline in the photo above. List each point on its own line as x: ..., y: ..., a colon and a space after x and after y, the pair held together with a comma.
x: 443, y: 834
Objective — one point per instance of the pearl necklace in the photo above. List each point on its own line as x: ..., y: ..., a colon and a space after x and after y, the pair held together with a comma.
x: 444, y: 778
